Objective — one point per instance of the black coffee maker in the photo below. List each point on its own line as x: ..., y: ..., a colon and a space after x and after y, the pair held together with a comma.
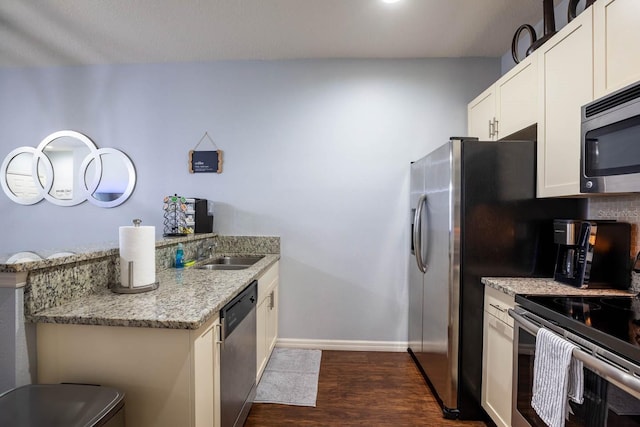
x: 592, y: 254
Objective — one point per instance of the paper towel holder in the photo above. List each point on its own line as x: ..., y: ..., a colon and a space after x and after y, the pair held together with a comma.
x: 119, y: 289
x: 130, y: 289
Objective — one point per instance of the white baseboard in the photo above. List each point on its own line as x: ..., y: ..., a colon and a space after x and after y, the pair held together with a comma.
x: 394, y: 346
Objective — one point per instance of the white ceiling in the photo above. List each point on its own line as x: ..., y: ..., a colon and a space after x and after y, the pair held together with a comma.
x: 68, y: 32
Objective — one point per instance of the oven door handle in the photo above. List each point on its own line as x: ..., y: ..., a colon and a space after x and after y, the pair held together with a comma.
x: 602, y: 367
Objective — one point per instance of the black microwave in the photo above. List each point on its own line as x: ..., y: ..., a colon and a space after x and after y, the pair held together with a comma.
x: 610, y: 146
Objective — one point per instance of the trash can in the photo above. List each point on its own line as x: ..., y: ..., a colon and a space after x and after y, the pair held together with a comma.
x: 62, y: 405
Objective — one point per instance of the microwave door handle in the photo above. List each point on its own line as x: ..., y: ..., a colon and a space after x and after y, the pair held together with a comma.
x: 602, y: 367
x: 592, y: 152
x: 593, y: 146
x: 417, y: 233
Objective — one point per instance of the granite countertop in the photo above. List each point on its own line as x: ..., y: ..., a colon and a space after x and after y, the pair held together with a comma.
x: 185, y: 300
x: 543, y: 286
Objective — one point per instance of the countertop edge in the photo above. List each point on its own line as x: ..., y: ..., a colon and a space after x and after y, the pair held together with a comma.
x: 513, y: 286
x: 203, y: 316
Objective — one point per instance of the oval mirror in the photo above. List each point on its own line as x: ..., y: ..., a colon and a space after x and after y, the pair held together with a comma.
x: 111, y: 184
x: 17, y: 180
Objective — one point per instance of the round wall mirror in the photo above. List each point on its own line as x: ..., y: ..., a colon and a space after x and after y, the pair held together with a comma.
x: 17, y: 179
x: 114, y: 184
x: 66, y: 169
x: 63, y: 152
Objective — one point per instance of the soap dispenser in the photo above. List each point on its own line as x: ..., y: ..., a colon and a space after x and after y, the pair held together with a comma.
x: 179, y: 256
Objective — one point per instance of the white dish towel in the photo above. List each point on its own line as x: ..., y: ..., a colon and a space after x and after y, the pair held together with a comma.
x: 557, y: 377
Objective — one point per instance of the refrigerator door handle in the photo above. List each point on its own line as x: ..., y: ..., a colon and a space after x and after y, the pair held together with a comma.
x: 417, y: 233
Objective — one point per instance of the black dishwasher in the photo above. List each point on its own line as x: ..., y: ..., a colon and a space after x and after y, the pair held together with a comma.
x: 238, y: 357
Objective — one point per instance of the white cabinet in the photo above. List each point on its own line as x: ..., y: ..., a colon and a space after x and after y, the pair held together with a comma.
x: 565, y: 65
x: 206, y: 370
x: 508, y: 106
x: 481, y: 115
x: 517, y: 97
x: 616, y: 45
x: 170, y: 377
x: 497, y: 356
x: 595, y: 54
x: 267, y: 317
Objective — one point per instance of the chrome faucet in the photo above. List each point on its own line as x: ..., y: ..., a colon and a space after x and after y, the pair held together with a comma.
x: 212, y: 249
x: 206, y: 252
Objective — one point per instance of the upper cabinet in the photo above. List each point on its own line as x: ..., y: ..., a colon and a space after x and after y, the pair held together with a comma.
x: 616, y: 44
x: 593, y: 55
x: 565, y: 65
x: 507, y: 106
x: 481, y: 114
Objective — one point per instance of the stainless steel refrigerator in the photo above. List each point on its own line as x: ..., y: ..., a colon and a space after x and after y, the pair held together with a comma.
x: 473, y: 214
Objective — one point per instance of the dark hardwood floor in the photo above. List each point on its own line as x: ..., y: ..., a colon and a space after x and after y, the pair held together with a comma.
x: 362, y: 388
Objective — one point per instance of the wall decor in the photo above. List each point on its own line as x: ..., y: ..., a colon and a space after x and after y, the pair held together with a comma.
x: 572, y: 10
x: 549, y: 25
x: 66, y: 169
x: 205, y: 161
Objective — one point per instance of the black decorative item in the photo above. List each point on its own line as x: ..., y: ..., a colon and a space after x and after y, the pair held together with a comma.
x: 205, y: 161
x: 549, y: 24
x: 516, y: 38
x: 573, y: 6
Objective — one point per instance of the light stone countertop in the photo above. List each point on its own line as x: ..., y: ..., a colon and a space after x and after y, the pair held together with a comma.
x: 46, y: 258
x: 543, y: 286
x: 174, y: 305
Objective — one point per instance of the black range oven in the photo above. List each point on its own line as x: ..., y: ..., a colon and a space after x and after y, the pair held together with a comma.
x: 606, y: 331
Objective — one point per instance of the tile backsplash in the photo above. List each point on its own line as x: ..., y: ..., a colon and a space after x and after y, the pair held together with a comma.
x: 624, y: 208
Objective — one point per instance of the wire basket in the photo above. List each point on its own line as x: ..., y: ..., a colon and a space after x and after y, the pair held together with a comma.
x: 175, y: 218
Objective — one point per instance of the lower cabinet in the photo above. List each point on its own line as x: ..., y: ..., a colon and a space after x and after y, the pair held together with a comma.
x: 497, y: 357
x: 267, y: 317
x: 170, y: 377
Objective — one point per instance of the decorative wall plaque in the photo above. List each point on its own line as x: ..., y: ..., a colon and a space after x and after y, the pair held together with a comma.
x: 205, y: 161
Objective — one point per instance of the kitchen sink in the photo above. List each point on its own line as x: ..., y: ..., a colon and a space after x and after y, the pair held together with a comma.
x: 231, y: 262
x: 235, y: 260
x: 222, y: 267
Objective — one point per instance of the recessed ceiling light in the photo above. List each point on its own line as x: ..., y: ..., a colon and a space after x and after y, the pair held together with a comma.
x: 390, y: 1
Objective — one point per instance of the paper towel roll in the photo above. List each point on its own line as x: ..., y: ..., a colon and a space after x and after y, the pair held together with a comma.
x: 138, y: 244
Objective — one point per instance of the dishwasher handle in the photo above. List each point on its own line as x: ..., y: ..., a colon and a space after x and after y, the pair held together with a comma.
x: 219, y: 337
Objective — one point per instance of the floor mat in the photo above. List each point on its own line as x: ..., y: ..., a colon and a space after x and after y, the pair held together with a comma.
x: 290, y: 378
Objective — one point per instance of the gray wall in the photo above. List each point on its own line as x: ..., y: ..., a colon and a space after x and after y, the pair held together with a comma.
x: 316, y: 151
